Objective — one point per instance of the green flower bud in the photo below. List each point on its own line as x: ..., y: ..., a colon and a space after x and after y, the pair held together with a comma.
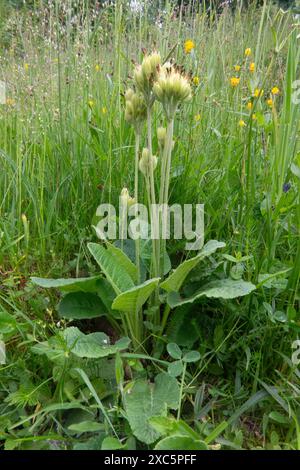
x: 146, y: 160
x: 171, y: 88
x: 135, y: 108
x: 126, y: 199
x: 147, y: 73
x: 161, y: 136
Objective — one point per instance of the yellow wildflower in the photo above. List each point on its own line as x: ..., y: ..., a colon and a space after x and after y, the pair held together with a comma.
x: 270, y: 102
x: 252, y: 67
x: 26, y: 67
x: 10, y: 102
x: 97, y: 67
x: 237, y: 68
x: 275, y: 90
x: 258, y: 93
x: 254, y: 117
x: 189, y: 45
x: 247, y: 52
x: 197, y: 117
x: 249, y: 105
x: 242, y: 123
x: 104, y: 110
x: 234, y: 81
x: 91, y: 103
x: 196, y: 81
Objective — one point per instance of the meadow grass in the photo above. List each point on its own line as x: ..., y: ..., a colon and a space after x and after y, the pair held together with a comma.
x: 65, y: 148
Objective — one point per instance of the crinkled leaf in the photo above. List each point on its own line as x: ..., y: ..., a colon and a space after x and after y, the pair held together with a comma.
x: 178, y: 276
x: 123, y: 260
x: 221, y: 289
x: 111, y: 267
x: 145, y: 400
x: 81, y: 305
x: 85, y: 284
x: 93, y: 345
x: 133, y: 299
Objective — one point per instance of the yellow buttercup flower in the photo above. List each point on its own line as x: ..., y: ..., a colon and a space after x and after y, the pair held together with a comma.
x: 189, y: 45
x: 26, y: 67
x: 252, y: 67
x: 234, y: 81
x: 196, y: 81
x: 270, y: 102
x: 237, y: 68
x: 248, y: 52
x: 10, y: 102
x: 197, y: 117
x: 242, y: 123
x: 249, y: 105
x: 97, y: 67
x: 258, y: 93
x: 104, y: 110
x: 254, y: 117
x: 91, y: 103
x: 275, y: 90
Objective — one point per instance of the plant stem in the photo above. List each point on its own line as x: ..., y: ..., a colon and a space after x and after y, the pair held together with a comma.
x: 181, y: 390
x: 165, y: 181
x: 165, y: 318
x: 136, y: 195
x: 155, y: 257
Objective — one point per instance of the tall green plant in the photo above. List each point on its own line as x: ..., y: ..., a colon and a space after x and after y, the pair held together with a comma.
x: 118, y: 293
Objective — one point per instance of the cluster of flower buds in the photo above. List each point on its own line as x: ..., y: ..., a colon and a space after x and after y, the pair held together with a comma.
x: 126, y: 199
x: 171, y: 88
x: 145, y: 75
x: 146, y: 161
x: 135, y: 110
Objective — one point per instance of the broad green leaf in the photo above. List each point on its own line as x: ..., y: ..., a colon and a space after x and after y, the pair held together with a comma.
x: 178, y: 276
x: 180, y: 443
x: 112, y: 443
x: 133, y: 299
x: 91, y: 444
x: 106, y: 293
x: 7, y: 323
x: 191, y: 356
x: 272, y: 281
x: 221, y: 289
x: 144, y: 400
x: 86, y: 426
x: 111, y: 267
x: 85, y: 284
x: 94, y: 345
x: 175, y: 368
x: 146, y: 256
x: 80, y: 305
x: 168, y: 426
x: 174, y: 350
x: 123, y: 260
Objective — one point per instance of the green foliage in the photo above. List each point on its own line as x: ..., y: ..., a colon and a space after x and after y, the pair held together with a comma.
x: 143, y: 401
x: 191, y: 354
